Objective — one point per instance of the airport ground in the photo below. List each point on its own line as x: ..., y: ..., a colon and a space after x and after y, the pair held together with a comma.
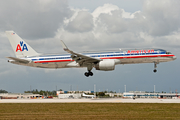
x: 85, y: 100
x: 138, y: 109
x: 105, y: 111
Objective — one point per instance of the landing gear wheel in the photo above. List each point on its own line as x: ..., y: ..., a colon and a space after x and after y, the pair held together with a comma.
x: 86, y: 74
x: 154, y: 70
x: 90, y: 73
x: 155, y: 66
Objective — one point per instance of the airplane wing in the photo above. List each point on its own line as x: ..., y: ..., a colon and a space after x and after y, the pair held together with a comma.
x: 79, y: 58
x: 19, y: 60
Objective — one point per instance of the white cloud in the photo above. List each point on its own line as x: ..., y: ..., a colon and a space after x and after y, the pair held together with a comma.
x: 113, y: 26
x: 83, y: 22
x: 106, y: 8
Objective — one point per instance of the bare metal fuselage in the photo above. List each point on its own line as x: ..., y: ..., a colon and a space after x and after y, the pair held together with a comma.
x: 104, y: 60
x: 65, y: 61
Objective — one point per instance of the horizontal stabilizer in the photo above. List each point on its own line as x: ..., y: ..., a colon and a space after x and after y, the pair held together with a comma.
x: 19, y: 60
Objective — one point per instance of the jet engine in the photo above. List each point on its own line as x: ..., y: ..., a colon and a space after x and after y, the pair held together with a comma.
x: 105, y: 65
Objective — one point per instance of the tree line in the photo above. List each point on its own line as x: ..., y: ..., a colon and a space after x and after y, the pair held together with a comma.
x: 3, y: 91
x: 43, y: 92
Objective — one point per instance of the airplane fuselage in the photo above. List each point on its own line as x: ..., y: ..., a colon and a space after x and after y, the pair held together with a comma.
x: 101, y: 60
x: 119, y: 57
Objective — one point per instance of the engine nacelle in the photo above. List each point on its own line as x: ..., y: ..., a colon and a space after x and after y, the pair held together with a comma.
x: 105, y: 65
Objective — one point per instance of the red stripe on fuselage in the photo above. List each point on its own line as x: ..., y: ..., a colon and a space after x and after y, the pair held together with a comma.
x: 146, y: 56
x: 53, y: 61
x: 123, y: 57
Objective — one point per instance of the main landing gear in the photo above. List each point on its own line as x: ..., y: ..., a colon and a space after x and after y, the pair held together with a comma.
x: 155, y: 66
x: 89, y: 73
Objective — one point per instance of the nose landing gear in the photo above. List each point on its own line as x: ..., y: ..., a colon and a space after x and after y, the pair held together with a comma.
x: 154, y: 70
x: 155, y: 66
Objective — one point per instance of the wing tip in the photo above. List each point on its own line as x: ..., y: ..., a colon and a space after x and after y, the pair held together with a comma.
x: 64, y: 45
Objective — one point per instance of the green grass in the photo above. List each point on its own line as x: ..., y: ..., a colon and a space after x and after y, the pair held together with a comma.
x: 102, y: 111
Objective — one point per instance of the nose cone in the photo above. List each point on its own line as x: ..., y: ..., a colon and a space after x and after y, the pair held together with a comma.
x: 174, y: 57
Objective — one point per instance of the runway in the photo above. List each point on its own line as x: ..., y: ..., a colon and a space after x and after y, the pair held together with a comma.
x: 99, y: 100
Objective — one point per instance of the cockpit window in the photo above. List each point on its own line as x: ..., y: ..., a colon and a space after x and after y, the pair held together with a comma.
x: 168, y: 52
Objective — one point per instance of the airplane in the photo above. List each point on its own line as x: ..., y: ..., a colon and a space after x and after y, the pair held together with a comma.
x: 100, y: 60
x: 84, y: 95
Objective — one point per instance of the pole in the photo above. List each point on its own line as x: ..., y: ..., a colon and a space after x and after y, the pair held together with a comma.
x: 154, y: 91
x: 125, y: 88
x: 94, y: 90
x: 170, y: 90
x: 30, y: 89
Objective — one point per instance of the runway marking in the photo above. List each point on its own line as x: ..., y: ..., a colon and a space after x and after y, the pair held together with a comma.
x: 118, y: 101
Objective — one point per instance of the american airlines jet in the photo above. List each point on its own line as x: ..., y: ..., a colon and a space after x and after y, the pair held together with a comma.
x: 101, y: 60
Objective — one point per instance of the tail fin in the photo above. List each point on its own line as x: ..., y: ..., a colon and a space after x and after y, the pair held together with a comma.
x: 20, y: 47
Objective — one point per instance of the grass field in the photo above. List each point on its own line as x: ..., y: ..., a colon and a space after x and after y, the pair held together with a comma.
x: 103, y: 111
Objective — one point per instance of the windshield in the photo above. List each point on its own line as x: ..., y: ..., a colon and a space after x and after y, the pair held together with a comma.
x: 168, y: 52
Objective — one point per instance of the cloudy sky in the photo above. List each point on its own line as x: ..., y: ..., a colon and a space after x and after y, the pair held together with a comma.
x: 91, y: 25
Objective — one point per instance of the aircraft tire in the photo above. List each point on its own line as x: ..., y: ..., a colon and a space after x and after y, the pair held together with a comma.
x: 86, y: 74
x: 91, y: 73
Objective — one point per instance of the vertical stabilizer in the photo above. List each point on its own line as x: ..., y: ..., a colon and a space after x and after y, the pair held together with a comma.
x: 20, y: 47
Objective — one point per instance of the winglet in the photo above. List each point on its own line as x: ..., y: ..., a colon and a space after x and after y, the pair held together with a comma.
x: 64, y: 46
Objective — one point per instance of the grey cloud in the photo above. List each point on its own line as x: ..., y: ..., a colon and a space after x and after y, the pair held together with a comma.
x: 114, y: 30
x: 157, y: 19
x: 162, y: 16
x: 33, y: 19
x: 114, y: 23
x: 83, y: 22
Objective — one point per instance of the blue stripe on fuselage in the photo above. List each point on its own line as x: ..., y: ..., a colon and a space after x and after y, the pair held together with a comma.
x: 110, y: 54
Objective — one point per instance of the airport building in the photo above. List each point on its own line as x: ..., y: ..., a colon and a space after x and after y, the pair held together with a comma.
x: 143, y: 94
x: 130, y: 94
x: 19, y: 96
x: 114, y: 94
x: 69, y: 96
x: 79, y: 94
x: 73, y: 92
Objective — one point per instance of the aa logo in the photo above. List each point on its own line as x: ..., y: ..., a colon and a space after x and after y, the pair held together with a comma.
x: 21, y: 47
